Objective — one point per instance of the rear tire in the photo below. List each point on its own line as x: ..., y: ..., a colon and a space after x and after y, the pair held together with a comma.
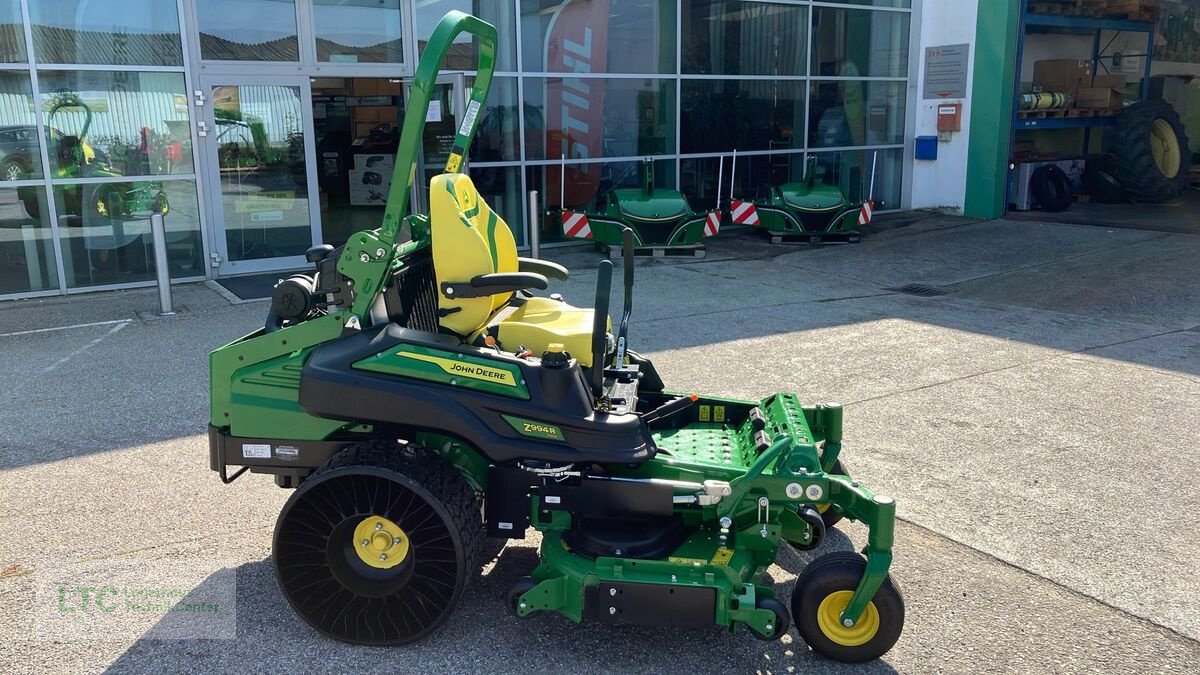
x: 333, y: 585
x: 1153, y: 158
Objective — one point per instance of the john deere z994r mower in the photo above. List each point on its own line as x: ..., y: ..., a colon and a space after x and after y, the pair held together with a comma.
x: 420, y: 398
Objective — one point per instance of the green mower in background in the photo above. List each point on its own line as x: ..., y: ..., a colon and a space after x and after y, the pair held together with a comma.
x: 659, y: 218
x: 76, y: 158
x: 421, y: 400
x: 806, y: 212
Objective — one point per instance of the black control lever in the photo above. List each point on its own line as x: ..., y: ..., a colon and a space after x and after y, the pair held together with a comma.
x: 600, y: 326
x: 623, y: 334
x: 669, y: 408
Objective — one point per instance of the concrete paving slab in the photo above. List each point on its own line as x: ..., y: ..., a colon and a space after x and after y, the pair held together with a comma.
x: 957, y: 254
x: 1078, y: 469
x: 1138, y: 280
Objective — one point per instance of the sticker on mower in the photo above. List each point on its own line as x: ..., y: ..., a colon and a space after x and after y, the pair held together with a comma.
x: 722, y: 556
x: 256, y: 451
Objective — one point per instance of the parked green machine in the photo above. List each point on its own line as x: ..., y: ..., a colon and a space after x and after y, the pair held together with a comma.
x: 807, y: 211
x: 420, y: 399
x: 659, y: 218
x: 76, y: 158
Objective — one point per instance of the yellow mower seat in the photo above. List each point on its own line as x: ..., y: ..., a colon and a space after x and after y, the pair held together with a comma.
x: 468, y: 240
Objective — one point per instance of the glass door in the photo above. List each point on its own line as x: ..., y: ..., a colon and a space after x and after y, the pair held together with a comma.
x: 258, y: 147
x: 441, y: 124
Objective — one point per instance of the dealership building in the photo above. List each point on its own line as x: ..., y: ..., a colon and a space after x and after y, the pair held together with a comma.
x: 262, y: 127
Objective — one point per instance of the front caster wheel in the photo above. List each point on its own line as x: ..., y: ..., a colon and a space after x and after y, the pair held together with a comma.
x: 782, y: 621
x: 512, y: 598
x: 824, y: 590
x: 376, y: 547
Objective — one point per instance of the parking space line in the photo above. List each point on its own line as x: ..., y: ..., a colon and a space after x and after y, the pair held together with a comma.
x: 86, y: 347
x: 72, y: 326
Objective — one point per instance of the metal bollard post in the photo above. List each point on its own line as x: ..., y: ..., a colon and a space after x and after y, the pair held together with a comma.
x: 535, y: 226
x: 159, y: 233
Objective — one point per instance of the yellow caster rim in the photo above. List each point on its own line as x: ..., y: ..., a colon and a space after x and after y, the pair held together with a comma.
x: 830, y: 623
x: 380, y: 543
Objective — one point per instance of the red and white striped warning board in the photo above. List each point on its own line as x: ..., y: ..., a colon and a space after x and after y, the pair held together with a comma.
x: 712, y: 224
x: 743, y: 213
x: 576, y: 225
x: 865, y: 213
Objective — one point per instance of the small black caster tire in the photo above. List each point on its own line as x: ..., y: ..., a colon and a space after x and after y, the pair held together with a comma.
x: 823, y: 591
x: 816, y: 522
x: 783, y: 620
x: 513, y: 597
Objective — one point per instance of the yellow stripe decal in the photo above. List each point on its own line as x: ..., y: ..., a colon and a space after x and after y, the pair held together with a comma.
x: 473, y: 371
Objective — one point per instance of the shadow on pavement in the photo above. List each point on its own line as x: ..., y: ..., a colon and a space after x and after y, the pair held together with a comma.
x: 481, y: 636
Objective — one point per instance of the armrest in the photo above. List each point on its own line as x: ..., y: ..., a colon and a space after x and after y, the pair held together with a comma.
x: 494, y: 284
x: 545, y: 268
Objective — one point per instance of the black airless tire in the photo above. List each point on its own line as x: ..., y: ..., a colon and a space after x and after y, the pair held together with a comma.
x: 376, y: 547
x: 824, y: 589
x: 1051, y: 187
x: 512, y: 597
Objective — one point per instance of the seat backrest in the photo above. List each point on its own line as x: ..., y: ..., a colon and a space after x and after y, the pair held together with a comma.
x: 468, y: 239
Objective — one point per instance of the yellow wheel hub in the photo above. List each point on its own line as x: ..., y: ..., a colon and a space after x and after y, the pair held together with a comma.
x: 1164, y: 144
x: 829, y: 620
x: 380, y: 543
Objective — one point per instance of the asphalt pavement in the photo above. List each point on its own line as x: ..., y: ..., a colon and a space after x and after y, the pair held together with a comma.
x: 1034, y: 410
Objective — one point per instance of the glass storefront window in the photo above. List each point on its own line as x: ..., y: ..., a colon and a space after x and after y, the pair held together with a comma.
x: 598, y: 36
x: 859, y: 43
x: 20, y: 158
x: 600, y: 117
x: 105, y: 230
x: 12, y: 36
x: 698, y: 176
x: 723, y: 115
x: 104, y: 124
x: 358, y: 31
x: 744, y: 38
x: 464, y: 54
x: 498, y: 136
x: 106, y: 32
x: 500, y: 187
x: 856, y: 113
x: 905, y: 4
x: 26, y: 252
x: 587, y: 186
x: 851, y: 171
x: 248, y: 30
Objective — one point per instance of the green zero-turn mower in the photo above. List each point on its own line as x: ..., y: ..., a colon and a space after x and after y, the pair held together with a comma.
x: 76, y: 158
x: 421, y: 400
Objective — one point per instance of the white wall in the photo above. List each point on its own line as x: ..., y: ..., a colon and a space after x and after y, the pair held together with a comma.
x: 942, y: 184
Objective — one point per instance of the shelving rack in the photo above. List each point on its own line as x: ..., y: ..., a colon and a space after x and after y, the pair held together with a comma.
x: 1064, y: 24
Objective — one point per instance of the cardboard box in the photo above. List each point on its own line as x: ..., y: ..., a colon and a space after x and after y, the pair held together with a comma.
x: 375, y: 161
x: 1106, y: 91
x: 1061, y: 75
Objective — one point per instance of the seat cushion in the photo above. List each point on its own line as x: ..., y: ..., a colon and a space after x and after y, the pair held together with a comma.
x: 541, y: 321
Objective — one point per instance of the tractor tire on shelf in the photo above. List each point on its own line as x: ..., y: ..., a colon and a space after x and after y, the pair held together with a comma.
x: 1151, y: 151
x: 1051, y: 188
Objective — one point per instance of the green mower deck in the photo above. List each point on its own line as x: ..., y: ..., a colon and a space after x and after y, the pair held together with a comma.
x: 412, y: 432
